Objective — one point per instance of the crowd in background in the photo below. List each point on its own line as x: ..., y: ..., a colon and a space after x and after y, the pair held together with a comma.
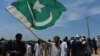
x: 76, y: 46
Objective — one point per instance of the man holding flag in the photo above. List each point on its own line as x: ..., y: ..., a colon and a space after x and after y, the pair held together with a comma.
x: 37, y: 14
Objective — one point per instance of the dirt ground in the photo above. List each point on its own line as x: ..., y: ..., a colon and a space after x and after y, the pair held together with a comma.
x: 97, y: 54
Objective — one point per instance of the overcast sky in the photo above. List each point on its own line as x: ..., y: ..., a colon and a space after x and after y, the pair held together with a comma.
x: 70, y: 23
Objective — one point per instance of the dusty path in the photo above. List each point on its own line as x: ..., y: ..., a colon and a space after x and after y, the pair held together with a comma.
x: 97, y: 54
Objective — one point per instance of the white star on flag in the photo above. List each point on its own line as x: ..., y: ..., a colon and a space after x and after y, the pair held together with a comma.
x: 38, y: 6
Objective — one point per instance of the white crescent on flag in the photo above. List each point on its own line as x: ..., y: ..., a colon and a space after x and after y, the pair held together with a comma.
x: 43, y: 23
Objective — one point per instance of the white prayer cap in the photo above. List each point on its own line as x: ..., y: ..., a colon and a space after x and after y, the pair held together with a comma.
x: 82, y: 38
x: 84, y: 42
x: 77, y: 35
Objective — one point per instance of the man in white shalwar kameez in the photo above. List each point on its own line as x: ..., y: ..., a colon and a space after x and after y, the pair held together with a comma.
x: 63, y: 48
x: 29, y: 50
x: 38, y: 48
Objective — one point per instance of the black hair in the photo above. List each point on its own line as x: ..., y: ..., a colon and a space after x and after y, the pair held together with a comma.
x: 49, y: 40
x: 57, y: 37
x: 19, y: 34
x: 64, y: 40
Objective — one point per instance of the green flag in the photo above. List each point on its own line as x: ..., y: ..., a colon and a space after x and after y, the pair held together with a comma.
x: 38, y: 14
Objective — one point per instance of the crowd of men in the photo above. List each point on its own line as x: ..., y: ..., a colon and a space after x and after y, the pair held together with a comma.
x: 76, y: 46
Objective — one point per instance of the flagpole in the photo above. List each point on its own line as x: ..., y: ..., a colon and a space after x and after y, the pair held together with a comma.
x: 30, y: 29
x: 88, y: 28
x: 33, y: 19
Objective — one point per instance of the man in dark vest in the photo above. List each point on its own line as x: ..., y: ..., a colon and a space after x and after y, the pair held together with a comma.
x: 19, y: 48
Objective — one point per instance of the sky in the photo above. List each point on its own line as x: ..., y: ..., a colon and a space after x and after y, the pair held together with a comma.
x: 70, y: 23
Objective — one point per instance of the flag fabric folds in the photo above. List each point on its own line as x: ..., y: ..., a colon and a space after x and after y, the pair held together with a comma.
x: 37, y: 14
